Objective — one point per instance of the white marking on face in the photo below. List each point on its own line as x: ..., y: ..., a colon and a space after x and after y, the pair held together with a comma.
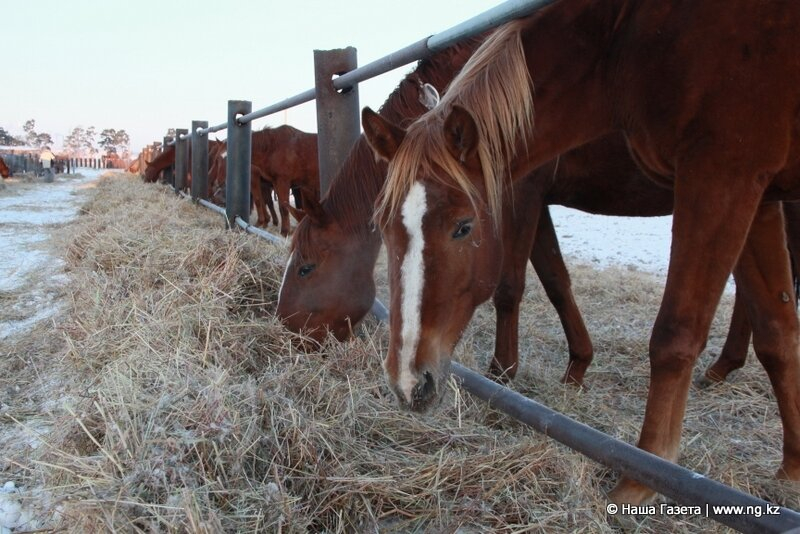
x: 224, y: 154
x: 285, y: 274
x: 411, y: 282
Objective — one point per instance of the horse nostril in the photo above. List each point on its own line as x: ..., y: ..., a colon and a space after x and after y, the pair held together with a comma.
x: 423, y: 391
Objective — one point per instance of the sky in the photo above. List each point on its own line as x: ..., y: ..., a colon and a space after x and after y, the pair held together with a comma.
x: 150, y: 65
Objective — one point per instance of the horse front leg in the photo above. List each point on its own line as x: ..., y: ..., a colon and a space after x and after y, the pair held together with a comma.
x: 549, y: 265
x: 268, y: 200
x: 281, y: 186
x: 710, y: 225
x: 257, y: 197
x: 764, y: 275
x: 518, y: 233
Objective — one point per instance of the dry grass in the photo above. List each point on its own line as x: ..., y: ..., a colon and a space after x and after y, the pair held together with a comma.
x: 169, y: 399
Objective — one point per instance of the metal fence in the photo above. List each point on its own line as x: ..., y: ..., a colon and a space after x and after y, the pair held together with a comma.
x: 338, y: 128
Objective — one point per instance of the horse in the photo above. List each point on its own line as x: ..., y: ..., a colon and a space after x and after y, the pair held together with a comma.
x: 328, y: 282
x: 715, y: 120
x: 284, y: 159
x: 161, y: 162
x: 288, y: 159
x: 260, y: 187
x: 5, y: 172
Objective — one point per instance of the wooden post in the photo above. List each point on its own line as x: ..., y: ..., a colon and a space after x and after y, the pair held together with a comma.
x: 338, y: 125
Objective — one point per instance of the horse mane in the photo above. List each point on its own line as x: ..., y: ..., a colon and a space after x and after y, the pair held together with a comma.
x: 496, y: 87
x: 350, y: 200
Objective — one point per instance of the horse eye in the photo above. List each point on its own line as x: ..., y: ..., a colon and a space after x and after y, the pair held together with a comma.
x: 305, y: 270
x: 463, y: 229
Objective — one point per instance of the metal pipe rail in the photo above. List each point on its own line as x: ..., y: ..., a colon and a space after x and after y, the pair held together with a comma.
x: 505, y: 12
x: 249, y: 228
x: 667, y: 478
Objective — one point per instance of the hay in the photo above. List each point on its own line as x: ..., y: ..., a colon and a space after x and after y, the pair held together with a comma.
x: 169, y: 399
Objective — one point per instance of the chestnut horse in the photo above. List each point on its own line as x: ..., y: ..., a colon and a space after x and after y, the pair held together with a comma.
x: 260, y: 187
x: 5, y: 172
x: 328, y: 284
x: 163, y: 161
x: 284, y: 159
x: 715, y: 119
x: 288, y: 159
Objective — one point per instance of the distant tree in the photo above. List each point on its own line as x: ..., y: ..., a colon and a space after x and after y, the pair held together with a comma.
x: 114, y: 141
x: 89, y: 142
x: 32, y: 138
x: 30, y: 133
x: 73, y: 143
x: 6, y: 139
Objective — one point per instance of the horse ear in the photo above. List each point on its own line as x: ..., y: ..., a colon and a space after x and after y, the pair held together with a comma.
x: 297, y: 213
x: 383, y: 136
x: 311, y: 208
x: 461, y: 134
x: 428, y: 96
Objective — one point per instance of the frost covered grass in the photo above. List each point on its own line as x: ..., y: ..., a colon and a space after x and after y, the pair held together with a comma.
x: 168, y: 399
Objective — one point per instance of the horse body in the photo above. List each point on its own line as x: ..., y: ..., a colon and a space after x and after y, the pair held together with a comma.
x: 288, y: 159
x: 715, y: 118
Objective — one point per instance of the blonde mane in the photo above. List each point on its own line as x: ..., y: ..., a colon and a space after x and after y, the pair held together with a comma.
x: 496, y: 88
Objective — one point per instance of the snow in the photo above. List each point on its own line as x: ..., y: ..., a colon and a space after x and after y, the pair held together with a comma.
x: 31, y: 276
x: 602, y: 241
x: 640, y: 243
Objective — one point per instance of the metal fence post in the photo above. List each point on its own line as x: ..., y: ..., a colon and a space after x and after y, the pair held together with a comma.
x: 237, y: 167
x: 338, y: 124
x: 180, y: 159
x: 199, y: 161
x: 167, y: 174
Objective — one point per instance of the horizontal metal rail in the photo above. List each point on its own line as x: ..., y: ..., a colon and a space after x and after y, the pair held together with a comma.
x: 249, y: 228
x: 211, y: 206
x: 667, y: 478
x: 505, y: 12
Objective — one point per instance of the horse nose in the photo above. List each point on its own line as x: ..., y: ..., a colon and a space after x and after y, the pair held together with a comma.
x: 424, y: 394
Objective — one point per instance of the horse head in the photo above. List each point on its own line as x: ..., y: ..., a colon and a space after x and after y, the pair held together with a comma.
x: 442, y: 246
x: 328, y: 284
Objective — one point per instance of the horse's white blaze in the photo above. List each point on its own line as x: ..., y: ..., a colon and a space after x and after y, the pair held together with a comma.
x: 411, y: 282
x: 285, y: 274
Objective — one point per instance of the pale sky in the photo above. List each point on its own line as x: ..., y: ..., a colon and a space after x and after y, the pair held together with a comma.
x: 147, y: 65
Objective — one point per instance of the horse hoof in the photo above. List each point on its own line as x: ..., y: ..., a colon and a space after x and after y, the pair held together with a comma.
x: 789, y: 473
x: 629, y: 491
x: 708, y: 379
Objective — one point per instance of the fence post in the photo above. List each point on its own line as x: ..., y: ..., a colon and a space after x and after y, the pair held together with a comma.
x: 237, y: 165
x: 199, y: 161
x: 181, y: 170
x: 338, y: 124
x: 167, y: 174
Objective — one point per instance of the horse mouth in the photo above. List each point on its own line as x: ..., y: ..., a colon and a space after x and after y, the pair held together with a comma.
x: 426, y: 395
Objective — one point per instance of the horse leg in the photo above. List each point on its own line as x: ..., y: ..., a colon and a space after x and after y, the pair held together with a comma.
x: 257, y: 197
x: 710, y: 225
x: 764, y: 274
x: 791, y: 214
x: 549, y: 265
x: 282, y: 192
x: 734, y: 352
x: 268, y: 199
x: 519, y: 228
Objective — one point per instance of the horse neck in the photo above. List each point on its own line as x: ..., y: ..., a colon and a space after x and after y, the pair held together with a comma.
x: 569, y: 53
x: 351, y: 197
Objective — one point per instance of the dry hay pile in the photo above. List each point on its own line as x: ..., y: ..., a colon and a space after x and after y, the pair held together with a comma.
x: 170, y: 400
